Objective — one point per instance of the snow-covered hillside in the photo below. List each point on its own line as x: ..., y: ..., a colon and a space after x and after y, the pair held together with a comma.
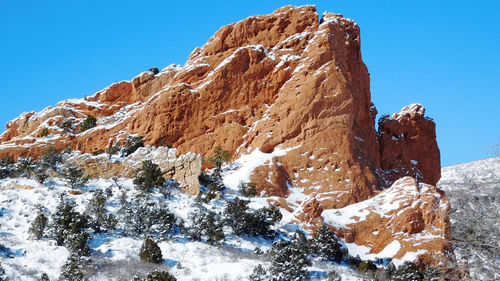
x: 115, y: 255
x: 474, y: 192
x: 482, y: 174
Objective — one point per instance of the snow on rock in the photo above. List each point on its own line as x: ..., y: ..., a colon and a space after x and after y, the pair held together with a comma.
x: 403, y: 214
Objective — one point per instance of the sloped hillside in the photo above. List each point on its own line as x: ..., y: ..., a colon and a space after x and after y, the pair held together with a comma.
x: 474, y: 192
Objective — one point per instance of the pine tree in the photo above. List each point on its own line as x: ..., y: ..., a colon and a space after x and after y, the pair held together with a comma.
x: 245, y: 221
x: 326, y: 245
x: 131, y: 144
x: 71, y: 270
x: 149, y: 176
x: 2, y: 274
x: 408, y: 271
x: 150, y: 252
x: 288, y: 262
x: 51, y: 157
x: 66, y: 220
x: 44, y: 277
x: 75, y: 178
x: 6, y: 167
x: 89, y: 123
x: 333, y: 276
x: 100, y: 219
x: 40, y: 172
x: 248, y: 189
x: 218, y: 159
x: 206, y: 224
x: 259, y: 273
x: 39, y: 225
x: 25, y: 166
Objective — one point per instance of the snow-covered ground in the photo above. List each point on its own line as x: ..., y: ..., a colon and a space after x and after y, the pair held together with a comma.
x: 116, y: 255
x: 482, y: 173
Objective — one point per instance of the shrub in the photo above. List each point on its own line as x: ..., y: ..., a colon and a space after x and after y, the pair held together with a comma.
x: 149, y: 176
x: 150, y: 252
x: 40, y: 171
x: 366, y: 266
x: 89, y: 123
x: 333, y: 276
x: 325, y: 244
x: 144, y: 216
x: 25, y: 166
x: 75, y: 178
x: 154, y: 70
x: 66, y: 220
x: 71, y: 270
x: 259, y: 273
x: 6, y: 167
x: 44, y: 132
x: 288, y: 262
x: 112, y: 150
x: 38, y: 225
x: 98, y: 152
x: 244, y: 221
x: 248, y: 189
x: 408, y: 271
x: 66, y: 125
x: 131, y: 144
x: 354, y: 261
x: 100, y: 220
x: 206, y: 224
x: 157, y: 276
x: 44, y: 277
x: 51, y: 157
x: 2, y: 274
x: 218, y: 159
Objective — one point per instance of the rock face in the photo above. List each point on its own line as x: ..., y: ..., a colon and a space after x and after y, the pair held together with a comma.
x: 185, y: 168
x: 288, y: 81
x: 408, y: 145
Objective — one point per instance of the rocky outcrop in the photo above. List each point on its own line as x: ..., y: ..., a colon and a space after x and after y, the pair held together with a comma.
x: 408, y: 145
x: 185, y: 168
x: 289, y: 82
x: 403, y: 220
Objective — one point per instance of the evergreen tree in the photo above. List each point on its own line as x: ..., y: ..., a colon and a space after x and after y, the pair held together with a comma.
x: 75, y: 178
x: 6, y: 167
x: 66, y: 125
x: 40, y: 172
x: 288, y: 262
x: 25, y: 166
x: 71, y: 270
x: 245, y: 221
x: 99, y: 218
x: 326, y: 245
x: 408, y: 271
x: 76, y: 243
x: 248, y: 189
x: 157, y: 276
x: 39, y: 225
x: 333, y: 276
x: 149, y: 176
x: 89, y: 123
x: 2, y: 274
x: 218, y: 159
x: 206, y: 224
x: 65, y: 221
x: 150, y: 252
x: 51, y: 157
x: 44, y: 277
x: 259, y: 273
x: 131, y: 144
x: 143, y: 216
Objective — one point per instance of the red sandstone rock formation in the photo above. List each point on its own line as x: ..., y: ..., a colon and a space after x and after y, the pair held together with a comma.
x: 286, y: 80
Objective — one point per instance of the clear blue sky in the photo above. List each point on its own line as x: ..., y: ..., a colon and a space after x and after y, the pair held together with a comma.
x: 443, y: 54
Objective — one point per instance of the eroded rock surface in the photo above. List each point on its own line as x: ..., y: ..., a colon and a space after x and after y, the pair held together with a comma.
x: 289, y: 81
